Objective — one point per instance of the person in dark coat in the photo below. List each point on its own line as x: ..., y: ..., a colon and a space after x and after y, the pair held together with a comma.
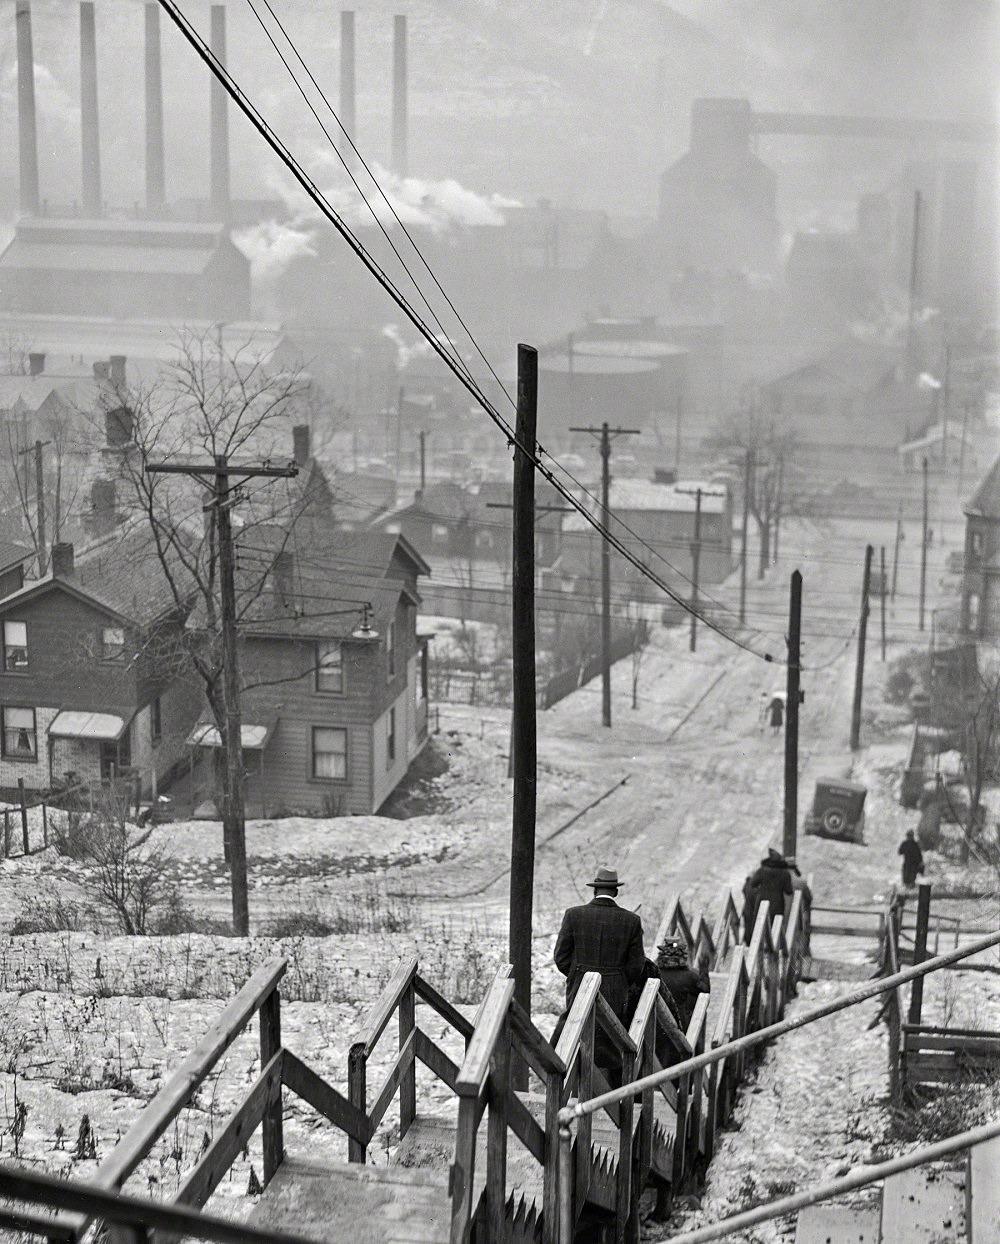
x: 682, y: 981
x: 600, y: 936
x: 776, y: 714
x: 913, y: 859
x: 772, y: 881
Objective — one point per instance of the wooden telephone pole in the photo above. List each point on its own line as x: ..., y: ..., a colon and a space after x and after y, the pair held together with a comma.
x: 606, y: 433
x: 218, y: 476
x: 859, y: 674
x: 793, y: 697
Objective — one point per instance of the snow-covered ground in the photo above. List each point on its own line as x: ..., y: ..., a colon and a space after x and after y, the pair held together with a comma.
x: 683, y: 794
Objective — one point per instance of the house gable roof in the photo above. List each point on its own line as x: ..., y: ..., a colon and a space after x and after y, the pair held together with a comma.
x: 985, y: 502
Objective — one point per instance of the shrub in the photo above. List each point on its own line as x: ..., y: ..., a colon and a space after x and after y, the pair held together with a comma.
x: 50, y: 912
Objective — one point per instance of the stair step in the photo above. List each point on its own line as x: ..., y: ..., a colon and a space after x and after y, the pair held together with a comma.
x: 984, y: 1192
x: 837, y: 1224
x: 816, y: 969
x: 923, y: 1206
x: 363, y: 1204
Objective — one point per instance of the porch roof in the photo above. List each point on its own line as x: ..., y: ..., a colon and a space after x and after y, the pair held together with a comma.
x: 253, y: 737
x: 75, y: 724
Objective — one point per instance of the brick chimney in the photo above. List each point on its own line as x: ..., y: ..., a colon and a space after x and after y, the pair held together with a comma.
x: 283, y: 576
x: 116, y: 368
x: 62, y: 560
x: 301, y: 446
x: 101, y: 370
x: 36, y: 364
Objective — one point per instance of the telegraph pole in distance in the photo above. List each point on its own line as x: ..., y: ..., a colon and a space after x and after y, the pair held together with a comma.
x: 747, y: 468
x: 218, y: 475
x: 859, y: 676
x: 523, y: 723
x: 895, y: 552
x: 40, y: 533
x: 923, y: 554
x: 695, y: 565
x: 606, y: 433
x: 793, y: 697
x: 882, y: 589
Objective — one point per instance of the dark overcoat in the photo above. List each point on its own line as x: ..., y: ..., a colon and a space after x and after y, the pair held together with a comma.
x: 601, y: 937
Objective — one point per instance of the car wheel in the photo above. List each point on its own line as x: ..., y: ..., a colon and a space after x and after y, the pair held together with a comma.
x: 834, y: 820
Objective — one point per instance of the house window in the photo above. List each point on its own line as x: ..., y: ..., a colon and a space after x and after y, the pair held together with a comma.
x: 329, y: 753
x: 155, y: 721
x: 329, y: 668
x: 112, y: 643
x: 390, y: 648
x: 390, y: 738
x: 976, y: 543
x: 973, y: 612
x: 421, y: 688
x: 15, y: 645
x: 439, y: 534
x: 484, y: 540
x: 20, y: 739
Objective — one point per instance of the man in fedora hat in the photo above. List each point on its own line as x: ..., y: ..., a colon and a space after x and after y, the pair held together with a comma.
x: 600, y: 936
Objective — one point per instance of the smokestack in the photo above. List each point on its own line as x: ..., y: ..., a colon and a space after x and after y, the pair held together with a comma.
x: 301, y: 448
x: 27, y: 125
x: 156, y: 190
x: 89, y: 130
x: 347, y: 84
x: 399, y: 156
x: 219, y: 120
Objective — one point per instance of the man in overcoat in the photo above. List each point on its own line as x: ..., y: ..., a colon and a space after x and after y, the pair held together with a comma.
x: 600, y: 936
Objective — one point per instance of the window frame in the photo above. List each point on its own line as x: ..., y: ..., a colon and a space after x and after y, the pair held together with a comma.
x: 320, y: 671
x: 313, y: 753
x: 390, y: 649
x: 24, y: 757
x: 155, y: 721
x: 9, y: 647
x: 390, y: 738
x: 116, y: 651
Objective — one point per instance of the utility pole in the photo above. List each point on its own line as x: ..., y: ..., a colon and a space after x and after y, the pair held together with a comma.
x: 911, y: 333
x: 747, y: 469
x: 218, y: 476
x: 523, y: 723
x: 695, y: 565
x: 895, y: 552
x: 945, y: 401
x: 777, y: 508
x: 961, y: 449
x: 40, y: 532
x: 423, y: 461
x: 793, y: 697
x: 606, y: 433
x: 859, y: 675
x: 923, y: 554
x: 882, y: 586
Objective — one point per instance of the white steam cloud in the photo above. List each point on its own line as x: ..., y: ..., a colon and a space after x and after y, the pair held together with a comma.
x: 272, y: 246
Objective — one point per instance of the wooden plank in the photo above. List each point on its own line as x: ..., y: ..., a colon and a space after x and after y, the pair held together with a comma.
x: 537, y: 1050
x: 443, y: 1007
x: 957, y: 1045
x: 157, y: 1116
x: 37, y: 1224
x: 305, y: 1083
x: 380, y: 1014
x: 614, y: 1027
x: 402, y: 1063
x: 472, y: 1075
x: 983, y: 1202
x: 496, y: 1136
x: 463, y: 1171
x: 957, y: 1032
x: 824, y: 1224
x: 213, y: 1165
x: 576, y: 1021
x: 408, y: 1084
x: 270, y: 1047
x: 729, y: 996
x: 435, y: 1059
x: 918, y: 1211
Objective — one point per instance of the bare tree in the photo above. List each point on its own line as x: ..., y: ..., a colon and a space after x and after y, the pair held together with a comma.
x: 213, y: 406
x: 638, y: 632
x: 42, y: 452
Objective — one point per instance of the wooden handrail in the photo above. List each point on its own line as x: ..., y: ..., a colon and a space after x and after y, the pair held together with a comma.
x: 96, y: 1201
x: 178, y: 1090
x: 613, y: 1026
x: 443, y: 1007
x: 473, y: 1072
x: 729, y: 996
x: 583, y: 1003
x: 535, y: 1047
x: 382, y: 1011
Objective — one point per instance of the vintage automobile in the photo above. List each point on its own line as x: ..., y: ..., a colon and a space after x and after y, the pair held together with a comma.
x: 838, y: 810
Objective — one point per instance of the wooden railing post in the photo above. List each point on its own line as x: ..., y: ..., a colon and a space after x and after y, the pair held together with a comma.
x: 496, y: 1138
x: 463, y: 1171
x: 550, y: 1175
x: 357, y: 1094
x: 26, y: 842
x: 408, y: 1083
x: 272, y: 1131
x: 623, y: 1179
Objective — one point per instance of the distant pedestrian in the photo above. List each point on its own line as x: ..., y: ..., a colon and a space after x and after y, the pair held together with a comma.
x: 770, y: 883
x: 776, y: 714
x: 913, y: 859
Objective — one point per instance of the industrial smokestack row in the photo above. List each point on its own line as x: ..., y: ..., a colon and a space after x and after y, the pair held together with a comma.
x: 27, y: 125
x: 347, y: 86
x: 156, y: 187
x: 219, y: 136
x: 90, y: 141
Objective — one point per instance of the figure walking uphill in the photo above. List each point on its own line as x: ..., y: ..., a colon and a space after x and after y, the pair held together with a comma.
x: 600, y: 936
x: 776, y: 714
x: 772, y: 882
x: 913, y: 859
x: 682, y: 981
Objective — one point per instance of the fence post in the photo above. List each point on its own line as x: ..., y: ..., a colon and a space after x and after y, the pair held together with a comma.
x: 6, y: 833
x: 45, y: 823
x: 920, y: 949
x: 357, y: 1092
x: 24, y: 816
x: 270, y: 1044
x: 408, y: 1081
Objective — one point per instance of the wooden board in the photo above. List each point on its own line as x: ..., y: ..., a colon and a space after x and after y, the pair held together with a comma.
x: 816, y: 969
x: 923, y: 1206
x: 837, y: 1224
x: 984, y: 1193
x: 363, y: 1204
